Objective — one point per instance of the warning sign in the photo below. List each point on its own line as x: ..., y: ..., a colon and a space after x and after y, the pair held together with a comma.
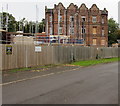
x: 8, y: 49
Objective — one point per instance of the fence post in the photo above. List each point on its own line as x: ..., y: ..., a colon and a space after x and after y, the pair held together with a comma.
x: 26, y: 57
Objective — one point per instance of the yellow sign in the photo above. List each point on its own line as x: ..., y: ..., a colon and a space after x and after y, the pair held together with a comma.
x: 8, y: 49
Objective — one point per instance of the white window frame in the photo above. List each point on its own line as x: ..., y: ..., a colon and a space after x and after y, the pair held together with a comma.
x: 94, y: 19
x: 103, y: 20
x: 71, y: 17
x: 103, y: 32
x: 60, y: 30
x: 50, y: 17
x: 60, y: 18
x: 71, y: 30
x: 50, y: 30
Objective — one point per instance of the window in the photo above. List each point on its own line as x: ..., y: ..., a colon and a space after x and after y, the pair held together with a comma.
x: 50, y: 30
x: 60, y: 18
x: 83, y: 18
x: 50, y: 18
x: 94, y: 30
x: 83, y: 30
x: 71, y: 18
x: 72, y: 30
x: 102, y: 42
x: 102, y: 20
x: 60, y: 30
x: 60, y: 24
x: 94, y: 41
x: 94, y: 19
x: 103, y: 32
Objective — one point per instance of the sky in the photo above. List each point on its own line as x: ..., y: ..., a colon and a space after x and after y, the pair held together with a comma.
x: 27, y: 8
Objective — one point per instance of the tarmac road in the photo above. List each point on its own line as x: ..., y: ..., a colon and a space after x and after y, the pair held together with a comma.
x: 89, y: 85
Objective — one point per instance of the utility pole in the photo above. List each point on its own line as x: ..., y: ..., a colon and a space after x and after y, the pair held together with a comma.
x: 0, y: 27
x: 7, y: 18
x: 2, y: 18
x: 36, y: 26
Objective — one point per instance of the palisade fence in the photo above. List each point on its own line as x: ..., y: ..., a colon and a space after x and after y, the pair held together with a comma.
x: 24, y: 55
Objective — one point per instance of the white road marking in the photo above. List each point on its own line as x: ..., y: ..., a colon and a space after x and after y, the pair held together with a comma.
x: 3, y: 84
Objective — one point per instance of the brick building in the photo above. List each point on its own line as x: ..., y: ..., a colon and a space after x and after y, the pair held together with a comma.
x: 78, y: 22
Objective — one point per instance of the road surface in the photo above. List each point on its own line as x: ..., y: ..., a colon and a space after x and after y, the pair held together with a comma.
x: 89, y: 85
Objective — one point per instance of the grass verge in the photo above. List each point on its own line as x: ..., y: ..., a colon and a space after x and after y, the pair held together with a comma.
x: 31, y: 68
x: 94, y: 62
x: 79, y: 63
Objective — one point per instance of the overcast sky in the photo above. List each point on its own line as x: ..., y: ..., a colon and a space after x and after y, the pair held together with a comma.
x: 27, y: 8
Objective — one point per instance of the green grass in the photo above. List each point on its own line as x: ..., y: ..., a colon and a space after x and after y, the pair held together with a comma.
x: 31, y: 68
x: 79, y: 63
x: 94, y: 62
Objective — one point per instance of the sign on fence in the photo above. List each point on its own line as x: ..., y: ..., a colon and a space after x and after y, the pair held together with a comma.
x: 38, y: 49
x: 8, y: 49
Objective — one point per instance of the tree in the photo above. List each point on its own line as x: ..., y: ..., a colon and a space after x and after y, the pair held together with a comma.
x: 21, y: 25
x: 42, y: 26
x: 11, y: 22
x: 30, y: 27
x: 118, y: 34
x: 112, y: 31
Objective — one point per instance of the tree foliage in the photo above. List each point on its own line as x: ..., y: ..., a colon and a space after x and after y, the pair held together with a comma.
x: 21, y: 25
x: 11, y: 22
x: 113, y: 32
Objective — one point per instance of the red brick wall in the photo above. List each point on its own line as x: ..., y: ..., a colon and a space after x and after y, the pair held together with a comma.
x: 73, y: 10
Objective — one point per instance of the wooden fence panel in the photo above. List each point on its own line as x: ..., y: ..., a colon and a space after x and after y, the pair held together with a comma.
x: 24, y: 55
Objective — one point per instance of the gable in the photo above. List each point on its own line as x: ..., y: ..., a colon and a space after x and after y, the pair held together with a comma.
x: 60, y: 5
x: 72, y: 6
x: 94, y: 7
x: 83, y: 7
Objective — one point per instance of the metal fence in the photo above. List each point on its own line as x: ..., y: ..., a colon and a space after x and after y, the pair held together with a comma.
x: 29, y: 55
x: 58, y: 40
